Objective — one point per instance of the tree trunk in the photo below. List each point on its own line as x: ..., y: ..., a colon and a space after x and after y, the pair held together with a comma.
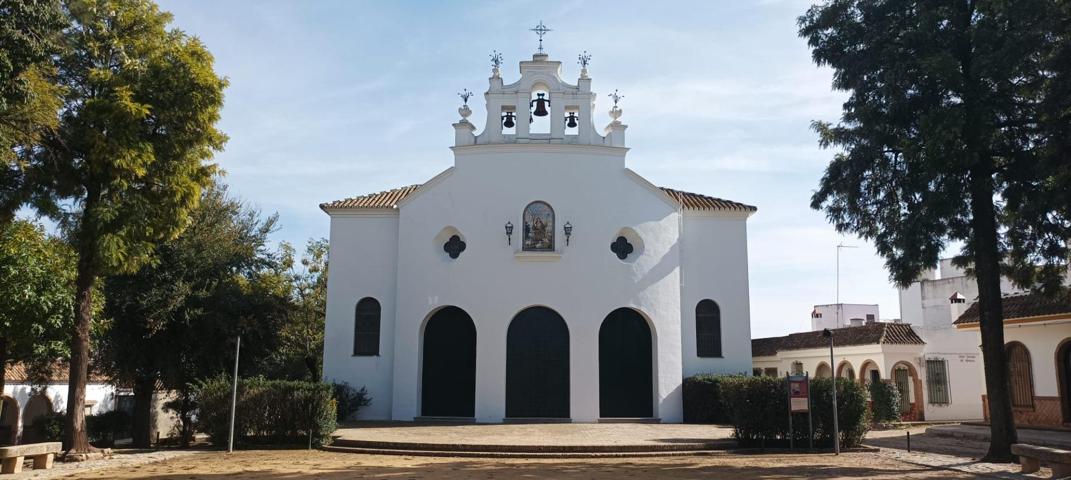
x: 3, y: 373
x: 74, y: 431
x: 141, y: 423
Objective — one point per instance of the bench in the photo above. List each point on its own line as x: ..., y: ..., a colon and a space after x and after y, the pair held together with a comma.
x: 42, y: 454
x: 1030, y: 458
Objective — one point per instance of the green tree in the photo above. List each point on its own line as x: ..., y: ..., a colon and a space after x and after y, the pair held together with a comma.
x: 173, y: 321
x: 955, y: 132
x: 130, y: 156
x: 29, y: 97
x: 303, y: 334
x: 36, y: 297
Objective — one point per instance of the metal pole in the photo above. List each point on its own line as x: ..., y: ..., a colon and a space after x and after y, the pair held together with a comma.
x: 791, y: 433
x: 810, y: 423
x: 234, y: 394
x: 836, y: 427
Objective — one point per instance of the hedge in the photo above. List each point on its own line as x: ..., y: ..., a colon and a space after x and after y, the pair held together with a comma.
x: 269, y: 411
x: 758, y: 411
x: 703, y: 402
x: 884, y: 402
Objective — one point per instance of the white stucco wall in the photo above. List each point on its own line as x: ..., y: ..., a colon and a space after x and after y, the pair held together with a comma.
x: 363, y: 256
x: 1041, y: 340
x: 101, y: 396
x: 715, y: 266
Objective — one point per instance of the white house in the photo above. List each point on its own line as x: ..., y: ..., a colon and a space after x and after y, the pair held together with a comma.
x: 537, y: 278
x: 873, y: 351
x: 839, y: 315
x: 1037, y: 335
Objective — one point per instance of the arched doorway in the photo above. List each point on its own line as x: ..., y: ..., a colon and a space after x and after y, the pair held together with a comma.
x: 626, y: 387
x: 869, y: 372
x: 9, y: 420
x: 845, y: 370
x: 37, y: 408
x: 907, y: 382
x: 537, y: 365
x: 1063, y: 375
x: 448, y: 376
x: 823, y: 370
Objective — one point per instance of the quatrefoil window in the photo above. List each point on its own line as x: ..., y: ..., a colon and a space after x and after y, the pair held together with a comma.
x: 454, y: 246
x: 621, y: 247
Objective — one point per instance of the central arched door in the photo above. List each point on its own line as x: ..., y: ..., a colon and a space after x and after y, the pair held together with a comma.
x: 537, y: 365
x: 625, y: 372
x: 448, y: 381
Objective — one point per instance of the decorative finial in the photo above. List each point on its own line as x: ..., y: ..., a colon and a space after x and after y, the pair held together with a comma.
x: 541, y: 30
x: 617, y: 97
x: 465, y: 111
x: 585, y: 59
x: 496, y: 59
x: 615, y: 112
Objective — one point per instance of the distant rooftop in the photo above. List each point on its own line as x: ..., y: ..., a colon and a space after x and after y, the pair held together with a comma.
x: 1021, y: 306
x: 876, y: 333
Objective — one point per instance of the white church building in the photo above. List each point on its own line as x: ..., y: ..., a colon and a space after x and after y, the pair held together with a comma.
x: 538, y: 278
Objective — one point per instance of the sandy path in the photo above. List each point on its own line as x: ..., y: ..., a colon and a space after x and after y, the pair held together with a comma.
x: 299, y: 464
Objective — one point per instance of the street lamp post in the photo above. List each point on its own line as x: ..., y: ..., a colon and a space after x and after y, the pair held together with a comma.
x: 836, y: 428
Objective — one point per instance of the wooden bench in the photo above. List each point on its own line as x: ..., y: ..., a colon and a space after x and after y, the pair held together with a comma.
x: 1030, y: 458
x: 42, y: 454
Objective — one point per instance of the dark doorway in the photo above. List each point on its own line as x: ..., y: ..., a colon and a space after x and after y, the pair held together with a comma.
x: 1063, y: 372
x: 448, y: 381
x: 537, y: 365
x: 625, y: 374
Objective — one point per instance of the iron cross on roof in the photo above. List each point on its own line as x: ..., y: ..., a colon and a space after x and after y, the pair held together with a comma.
x: 541, y: 30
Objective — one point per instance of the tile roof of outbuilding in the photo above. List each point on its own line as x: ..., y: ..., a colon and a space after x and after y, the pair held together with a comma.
x: 876, y: 333
x: 391, y: 198
x: 1023, y: 305
x: 18, y: 373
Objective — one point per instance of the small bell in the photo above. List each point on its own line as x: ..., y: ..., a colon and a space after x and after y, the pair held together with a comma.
x: 570, y: 121
x: 540, y: 105
x: 507, y: 120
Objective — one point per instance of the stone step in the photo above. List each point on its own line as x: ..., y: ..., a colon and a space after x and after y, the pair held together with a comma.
x: 536, y: 455
x: 679, y: 446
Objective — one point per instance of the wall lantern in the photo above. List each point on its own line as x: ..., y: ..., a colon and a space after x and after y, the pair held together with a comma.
x: 568, y: 232
x: 509, y: 233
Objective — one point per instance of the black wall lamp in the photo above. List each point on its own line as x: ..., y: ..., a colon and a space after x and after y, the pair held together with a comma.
x: 509, y: 233
x: 568, y: 232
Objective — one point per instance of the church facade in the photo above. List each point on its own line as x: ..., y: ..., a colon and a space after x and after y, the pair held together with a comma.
x: 539, y: 278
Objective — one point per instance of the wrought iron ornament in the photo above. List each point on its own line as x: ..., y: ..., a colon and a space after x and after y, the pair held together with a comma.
x: 621, y: 248
x: 454, y: 246
x: 585, y: 59
x: 465, y: 95
x: 541, y: 30
x: 617, y: 97
x: 496, y: 59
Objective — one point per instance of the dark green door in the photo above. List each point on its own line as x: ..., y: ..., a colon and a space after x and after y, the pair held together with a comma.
x: 537, y: 365
x: 448, y: 382
x: 625, y: 373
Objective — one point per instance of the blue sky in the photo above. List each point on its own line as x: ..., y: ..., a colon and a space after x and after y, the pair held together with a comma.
x: 330, y: 99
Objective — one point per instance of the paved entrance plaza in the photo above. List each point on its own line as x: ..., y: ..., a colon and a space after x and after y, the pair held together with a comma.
x: 561, y: 438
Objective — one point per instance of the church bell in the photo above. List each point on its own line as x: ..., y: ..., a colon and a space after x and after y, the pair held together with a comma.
x: 507, y: 120
x: 570, y: 121
x: 540, y: 105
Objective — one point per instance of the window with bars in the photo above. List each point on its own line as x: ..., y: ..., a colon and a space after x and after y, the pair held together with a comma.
x: 1020, y: 375
x: 366, y: 327
x: 937, y: 381
x: 708, y: 329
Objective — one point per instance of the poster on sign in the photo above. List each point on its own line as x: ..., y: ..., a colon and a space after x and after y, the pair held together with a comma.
x: 799, y: 400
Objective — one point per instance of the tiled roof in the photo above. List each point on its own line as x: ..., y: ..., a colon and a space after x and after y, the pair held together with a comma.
x: 390, y: 199
x: 876, y: 333
x: 1022, y: 306
x: 18, y: 373
x: 384, y: 199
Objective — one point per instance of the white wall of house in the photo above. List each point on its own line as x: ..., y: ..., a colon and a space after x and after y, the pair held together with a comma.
x: 1041, y: 340
x: 100, y: 398
x: 826, y: 316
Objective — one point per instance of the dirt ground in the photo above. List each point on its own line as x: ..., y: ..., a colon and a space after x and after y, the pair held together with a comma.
x: 300, y: 464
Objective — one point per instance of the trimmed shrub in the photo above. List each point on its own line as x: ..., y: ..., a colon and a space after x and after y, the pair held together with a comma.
x: 104, y: 428
x: 349, y: 400
x: 703, y: 401
x: 884, y: 402
x: 269, y: 411
x: 758, y: 411
x: 49, y: 427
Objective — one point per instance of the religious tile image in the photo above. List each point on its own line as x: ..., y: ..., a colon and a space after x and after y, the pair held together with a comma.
x: 538, y: 227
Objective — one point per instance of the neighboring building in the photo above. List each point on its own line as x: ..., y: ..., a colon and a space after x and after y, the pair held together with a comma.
x: 1037, y: 332
x: 24, y: 403
x: 839, y: 315
x: 930, y: 305
x: 538, y: 277
x: 876, y: 351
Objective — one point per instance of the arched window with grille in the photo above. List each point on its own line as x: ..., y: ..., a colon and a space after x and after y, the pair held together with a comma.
x: 1020, y: 375
x: 366, y: 328
x: 708, y: 329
